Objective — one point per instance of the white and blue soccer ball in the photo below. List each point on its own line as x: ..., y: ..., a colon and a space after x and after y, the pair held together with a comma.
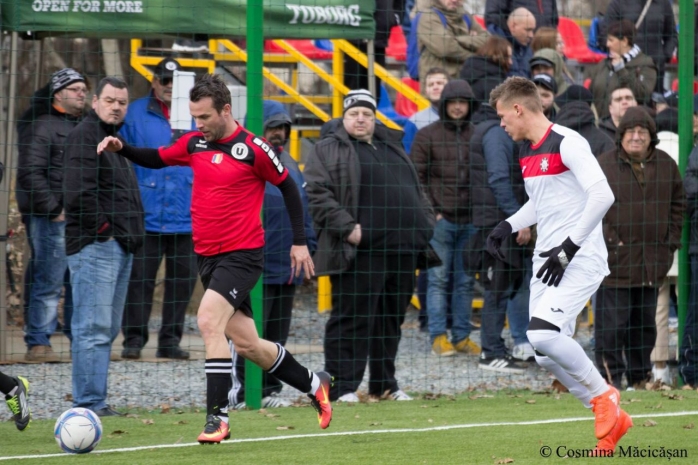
x: 78, y: 430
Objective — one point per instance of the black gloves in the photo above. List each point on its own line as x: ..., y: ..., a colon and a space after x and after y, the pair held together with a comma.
x: 494, y: 240
x: 558, y: 259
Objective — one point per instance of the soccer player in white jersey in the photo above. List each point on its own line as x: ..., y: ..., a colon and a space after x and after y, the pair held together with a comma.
x: 569, y: 196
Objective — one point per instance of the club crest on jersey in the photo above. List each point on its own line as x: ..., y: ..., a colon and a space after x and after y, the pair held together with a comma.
x: 544, y: 165
x: 239, y: 151
x: 217, y: 158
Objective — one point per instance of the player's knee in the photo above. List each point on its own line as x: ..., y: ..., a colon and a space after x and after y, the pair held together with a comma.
x: 542, y: 335
x: 208, y: 324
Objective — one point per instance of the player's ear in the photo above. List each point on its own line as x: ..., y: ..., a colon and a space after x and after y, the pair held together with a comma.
x: 227, y: 110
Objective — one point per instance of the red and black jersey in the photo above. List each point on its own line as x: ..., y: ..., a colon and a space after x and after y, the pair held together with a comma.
x: 228, y: 189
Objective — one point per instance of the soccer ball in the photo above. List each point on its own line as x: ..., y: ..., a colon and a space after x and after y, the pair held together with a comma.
x: 78, y: 430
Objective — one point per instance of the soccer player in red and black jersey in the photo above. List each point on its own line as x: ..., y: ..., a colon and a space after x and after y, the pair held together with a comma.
x: 231, y: 167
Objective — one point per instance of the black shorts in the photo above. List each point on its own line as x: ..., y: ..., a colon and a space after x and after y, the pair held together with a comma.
x: 233, y: 275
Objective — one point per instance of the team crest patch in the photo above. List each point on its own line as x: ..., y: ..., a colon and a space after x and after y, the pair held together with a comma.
x: 239, y: 151
x: 544, y: 165
x: 217, y: 158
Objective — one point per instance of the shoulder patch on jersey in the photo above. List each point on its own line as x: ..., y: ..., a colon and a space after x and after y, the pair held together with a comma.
x: 270, y: 153
x: 239, y: 151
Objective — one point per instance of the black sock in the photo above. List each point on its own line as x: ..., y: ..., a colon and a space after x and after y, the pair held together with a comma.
x: 218, y: 383
x: 288, y: 370
x: 7, y: 383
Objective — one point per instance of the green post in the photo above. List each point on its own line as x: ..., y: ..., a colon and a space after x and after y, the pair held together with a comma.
x: 255, y: 82
x: 686, y: 57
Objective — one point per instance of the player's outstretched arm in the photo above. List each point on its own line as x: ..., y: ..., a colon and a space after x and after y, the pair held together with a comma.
x: 147, y: 158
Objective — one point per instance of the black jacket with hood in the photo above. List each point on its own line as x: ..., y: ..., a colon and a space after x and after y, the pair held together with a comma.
x: 578, y: 116
x: 483, y: 75
x: 441, y: 154
x: 42, y: 133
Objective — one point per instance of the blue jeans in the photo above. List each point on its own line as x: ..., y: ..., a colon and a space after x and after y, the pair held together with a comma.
x: 99, y: 274
x: 46, y: 271
x: 517, y: 307
x: 449, y: 242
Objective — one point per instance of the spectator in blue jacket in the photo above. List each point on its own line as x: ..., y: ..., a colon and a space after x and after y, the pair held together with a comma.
x: 521, y: 24
x: 278, y: 280
x: 166, y: 196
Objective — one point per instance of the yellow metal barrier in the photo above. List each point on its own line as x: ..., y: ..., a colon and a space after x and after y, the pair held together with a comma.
x: 140, y: 62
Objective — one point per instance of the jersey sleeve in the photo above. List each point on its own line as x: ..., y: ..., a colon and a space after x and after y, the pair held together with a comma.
x: 576, y: 155
x: 266, y: 164
x: 178, y: 153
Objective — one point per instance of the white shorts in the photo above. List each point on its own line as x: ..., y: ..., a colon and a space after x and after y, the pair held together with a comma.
x: 560, y: 305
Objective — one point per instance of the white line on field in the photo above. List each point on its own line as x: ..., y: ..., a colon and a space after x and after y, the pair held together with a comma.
x: 355, y: 433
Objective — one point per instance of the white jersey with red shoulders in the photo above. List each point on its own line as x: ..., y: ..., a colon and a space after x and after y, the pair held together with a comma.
x: 557, y: 172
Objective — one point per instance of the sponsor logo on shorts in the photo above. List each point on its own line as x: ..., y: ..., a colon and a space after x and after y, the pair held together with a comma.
x: 556, y: 310
x: 234, y: 293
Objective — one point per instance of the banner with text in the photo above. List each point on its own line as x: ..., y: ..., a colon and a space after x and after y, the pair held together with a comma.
x: 297, y: 19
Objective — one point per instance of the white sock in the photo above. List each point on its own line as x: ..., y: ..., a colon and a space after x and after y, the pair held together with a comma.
x: 314, y: 382
x: 570, y: 356
x: 576, y: 388
x: 224, y: 418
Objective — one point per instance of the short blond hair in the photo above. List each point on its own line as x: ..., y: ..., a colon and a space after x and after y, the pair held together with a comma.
x: 519, y: 90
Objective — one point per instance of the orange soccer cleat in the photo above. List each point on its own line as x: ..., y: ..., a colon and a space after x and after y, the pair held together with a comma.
x: 606, y: 408
x: 215, y: 431
x: 608, y: 444
x: 321, y: 399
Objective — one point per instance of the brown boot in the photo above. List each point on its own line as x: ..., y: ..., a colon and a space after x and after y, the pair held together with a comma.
x: 44, y: 354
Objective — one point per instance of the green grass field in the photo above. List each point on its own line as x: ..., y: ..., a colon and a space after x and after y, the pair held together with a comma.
x: 477, y: 428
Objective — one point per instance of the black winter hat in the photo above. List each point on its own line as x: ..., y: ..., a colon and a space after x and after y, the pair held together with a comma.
x: 574, y: 93
x: 63, y: 78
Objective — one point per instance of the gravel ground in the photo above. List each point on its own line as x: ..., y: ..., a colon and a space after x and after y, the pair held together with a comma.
x: 181, y: 384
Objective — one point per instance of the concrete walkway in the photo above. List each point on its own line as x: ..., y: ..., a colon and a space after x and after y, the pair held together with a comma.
x: 16, y: 349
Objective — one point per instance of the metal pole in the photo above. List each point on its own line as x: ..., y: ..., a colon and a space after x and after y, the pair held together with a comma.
x: 255, y: 89
x: 5, y: 196
x: 371, y: 54
x: 686, y: 57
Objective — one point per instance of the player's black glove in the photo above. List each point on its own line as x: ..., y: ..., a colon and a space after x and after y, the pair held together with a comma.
x: 495, y: 239
x: 556, y: 264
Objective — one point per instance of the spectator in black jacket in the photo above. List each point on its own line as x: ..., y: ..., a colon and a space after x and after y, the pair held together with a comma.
x: 656, y: 34
x: 497, y: 12
x: 575, y: 113
x: 104, y: 229
x: 54, y: 111
x: 488, y: 67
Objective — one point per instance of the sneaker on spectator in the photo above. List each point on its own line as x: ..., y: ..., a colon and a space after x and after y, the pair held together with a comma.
x: 400, y: 395
x: 524, y: 351
x: 504, y: 364
x: 467, y: 346
x: 44, y: 354
x: 274, y: 401
x: 349, y: 397
x: 442, y: 346
x: 673, y: 324
x: 661, y: 374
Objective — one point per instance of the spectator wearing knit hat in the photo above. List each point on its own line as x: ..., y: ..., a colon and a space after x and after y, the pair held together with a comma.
x: 54, y: 111
x: 371, y: 221
x: 641, y: 230
x: 547, y: 89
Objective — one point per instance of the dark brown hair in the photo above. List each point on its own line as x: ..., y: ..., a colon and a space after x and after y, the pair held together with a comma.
x: 545, y: 37
x: 622, y: 29
x: 496, y: 50
x: 518, y: 88
x: 211, y: 85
